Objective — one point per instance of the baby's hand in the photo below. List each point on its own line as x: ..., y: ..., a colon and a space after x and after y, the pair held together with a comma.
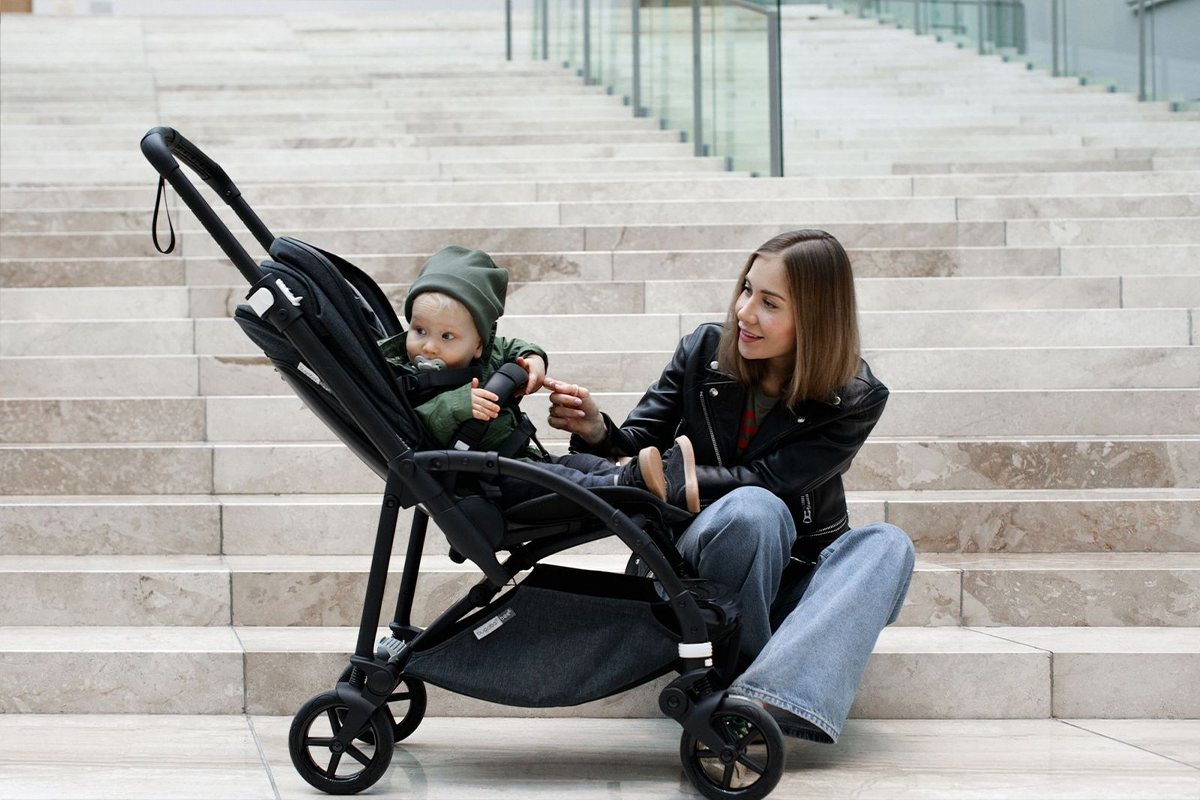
x: 484, y: 404
x: 536, y: 367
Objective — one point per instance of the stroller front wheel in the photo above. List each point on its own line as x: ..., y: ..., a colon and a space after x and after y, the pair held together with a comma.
x: 323, y: 763
x: 405, y: 707
x: 752, y: 763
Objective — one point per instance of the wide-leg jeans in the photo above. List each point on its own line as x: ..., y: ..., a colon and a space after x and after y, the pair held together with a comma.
x: 810, y: 637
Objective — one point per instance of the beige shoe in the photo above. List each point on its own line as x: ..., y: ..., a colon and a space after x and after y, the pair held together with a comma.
x: 679, y: 469
x: 650, y: 470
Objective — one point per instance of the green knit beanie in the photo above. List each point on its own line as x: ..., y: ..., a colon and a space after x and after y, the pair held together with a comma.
x: 471, y: 278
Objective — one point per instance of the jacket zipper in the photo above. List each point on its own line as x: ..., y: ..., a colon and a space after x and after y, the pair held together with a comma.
x: 711, y: 435
x: 806, y: 502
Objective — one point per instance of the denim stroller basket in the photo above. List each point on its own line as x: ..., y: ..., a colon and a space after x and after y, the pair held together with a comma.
x: 526, y: 634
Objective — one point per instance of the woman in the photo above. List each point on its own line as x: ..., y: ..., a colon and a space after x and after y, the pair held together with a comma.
x: 776, y: 402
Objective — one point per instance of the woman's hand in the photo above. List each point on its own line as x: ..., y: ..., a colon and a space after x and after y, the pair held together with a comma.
x: 536, y: 367
x: 484, y: 404
x: 572, y: 409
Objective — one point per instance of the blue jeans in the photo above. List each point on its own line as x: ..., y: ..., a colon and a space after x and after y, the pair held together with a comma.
x: 809, y: 638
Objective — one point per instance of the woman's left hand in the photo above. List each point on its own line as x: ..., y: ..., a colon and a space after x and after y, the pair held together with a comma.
x: 536, y: 367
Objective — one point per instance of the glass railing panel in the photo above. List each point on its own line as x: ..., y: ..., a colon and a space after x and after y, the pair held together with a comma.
x: 666, y: 64
x: 1172, y: 55
x: 1102, y: 43
x: 736, y: 83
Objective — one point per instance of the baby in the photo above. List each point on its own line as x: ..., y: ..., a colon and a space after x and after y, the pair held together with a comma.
x: 452, y: 309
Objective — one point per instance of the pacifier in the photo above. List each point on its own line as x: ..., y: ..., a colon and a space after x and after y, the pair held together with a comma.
x: 429, y: 364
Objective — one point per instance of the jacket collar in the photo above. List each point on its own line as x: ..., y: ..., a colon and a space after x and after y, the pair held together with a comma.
x: 729, y: 401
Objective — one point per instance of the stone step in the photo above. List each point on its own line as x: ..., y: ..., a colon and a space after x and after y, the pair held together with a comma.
x: 919, y: 673
x: 581, y: 167
x: 704, y: 186
x: 883, y: 464
x: 797, y: 155
x: 544, y: 213
x: 599, y: 265
x: 994, y: 521
x: 1078, y: 412
x: 651, y: 296
x: 236, y: 158
x: 283, y: 418
x: 206, y: 129
x: 1154, y: 589
x: 923, y: 209
x: 1131, y: 163
x: 918, y: 368
x: 1128, y: 260
x: 952, y: 139
x: 353, y: 141
x: 902, y: 329
x: 743, y: 237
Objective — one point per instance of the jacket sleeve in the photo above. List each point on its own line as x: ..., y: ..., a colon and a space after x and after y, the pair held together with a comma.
x: 511, y: 349
x: 790, y: 470
x: 656, y: 417
x: 444, y: 413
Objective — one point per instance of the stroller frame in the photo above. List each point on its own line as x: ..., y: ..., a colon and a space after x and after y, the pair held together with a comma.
x: 425, y: 479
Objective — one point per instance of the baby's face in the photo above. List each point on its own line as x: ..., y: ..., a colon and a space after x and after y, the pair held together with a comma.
x: 446, y: 332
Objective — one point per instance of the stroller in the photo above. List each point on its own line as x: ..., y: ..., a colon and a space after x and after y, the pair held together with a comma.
x: 559, y: 637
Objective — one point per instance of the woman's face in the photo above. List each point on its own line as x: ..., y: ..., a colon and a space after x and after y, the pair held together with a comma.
x: 764, y: 313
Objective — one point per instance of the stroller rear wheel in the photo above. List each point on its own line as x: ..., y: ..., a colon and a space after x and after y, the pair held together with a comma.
x: 405, y: 706
x: 320, y: 760
x: 752, y: 763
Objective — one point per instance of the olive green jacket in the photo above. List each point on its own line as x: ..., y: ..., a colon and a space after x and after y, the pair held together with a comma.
x: 448, y: 410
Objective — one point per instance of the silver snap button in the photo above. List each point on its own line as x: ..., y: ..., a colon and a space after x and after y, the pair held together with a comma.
x: 800, y: 420
x: 837, y: 401
x: 713, y: 392
x: 713, y: 365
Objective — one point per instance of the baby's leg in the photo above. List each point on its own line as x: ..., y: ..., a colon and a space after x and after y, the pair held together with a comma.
x: 579, y: 468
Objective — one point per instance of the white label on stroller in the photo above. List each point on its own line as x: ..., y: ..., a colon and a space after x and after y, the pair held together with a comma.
x: 494, y: 623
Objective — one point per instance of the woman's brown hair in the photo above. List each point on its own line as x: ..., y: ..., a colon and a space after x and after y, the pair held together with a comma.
x: 821, y: 286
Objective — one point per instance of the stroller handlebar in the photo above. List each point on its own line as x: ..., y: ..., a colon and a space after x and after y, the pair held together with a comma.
x: 162, y: 145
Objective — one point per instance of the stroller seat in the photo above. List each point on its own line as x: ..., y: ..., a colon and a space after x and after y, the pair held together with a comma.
x: 354, y: 314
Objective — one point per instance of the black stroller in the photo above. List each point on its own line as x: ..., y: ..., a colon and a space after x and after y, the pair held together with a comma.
x: 560, y: 636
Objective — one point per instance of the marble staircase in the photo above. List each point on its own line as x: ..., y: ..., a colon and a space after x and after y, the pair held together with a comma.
x: 178, y: 535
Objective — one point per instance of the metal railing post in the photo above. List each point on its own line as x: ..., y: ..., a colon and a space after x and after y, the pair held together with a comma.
x: 1141, y: 50
x: 697, y: 89
x: 545, y: 30
x: 637, y: 57
x: 587, y: 42
x: 979, y: 22
x: 775, y: 87
x: 508, y: 30
x: 1054, y: 38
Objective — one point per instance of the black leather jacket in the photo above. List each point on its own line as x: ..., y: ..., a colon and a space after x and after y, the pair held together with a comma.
x: 798, y: 453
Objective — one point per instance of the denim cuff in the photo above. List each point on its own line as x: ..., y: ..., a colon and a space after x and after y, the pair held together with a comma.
x: 794, y: 721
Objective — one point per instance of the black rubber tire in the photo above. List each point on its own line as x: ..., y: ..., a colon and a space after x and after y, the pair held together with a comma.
x: 374, y: 754
x: 409, y: 699
x: 761, y: 753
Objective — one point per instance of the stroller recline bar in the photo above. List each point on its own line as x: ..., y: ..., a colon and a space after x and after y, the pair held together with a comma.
x: 284, y: 291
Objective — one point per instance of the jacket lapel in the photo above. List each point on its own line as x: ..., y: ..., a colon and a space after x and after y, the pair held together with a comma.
x: 724, y: 399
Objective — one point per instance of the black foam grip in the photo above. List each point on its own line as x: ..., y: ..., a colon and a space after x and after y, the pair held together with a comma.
x: 507, y: 381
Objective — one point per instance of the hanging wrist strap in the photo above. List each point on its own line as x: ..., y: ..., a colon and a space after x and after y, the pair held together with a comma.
x: 158, y: 200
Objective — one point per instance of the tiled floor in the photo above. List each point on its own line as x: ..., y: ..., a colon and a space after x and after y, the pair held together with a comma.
x: 127, y: 757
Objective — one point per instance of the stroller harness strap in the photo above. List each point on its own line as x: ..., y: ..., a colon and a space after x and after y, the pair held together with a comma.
x: 421, y: 386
